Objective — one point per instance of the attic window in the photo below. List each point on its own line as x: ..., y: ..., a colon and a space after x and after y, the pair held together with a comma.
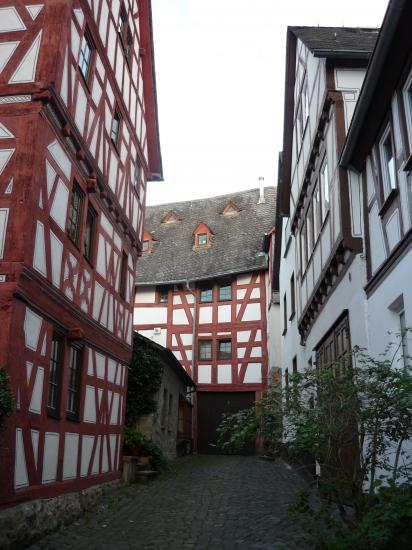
x: 202, y: 236
x: 230, y: 209
x: 146, y: 246
x: 170, y: 217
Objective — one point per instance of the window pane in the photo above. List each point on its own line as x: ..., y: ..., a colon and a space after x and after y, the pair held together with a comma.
x: 202, y: 239
x: 324, y: 180
x: 85, y: 58
x: 89, y: 233
x: 54, y: 388
x: 114, y: 136
x: 73, y: 388
x: 389, y: 165
x: 205, y: 350
x: 75, y: 214
x: 123, y: 276
x: 225, y: 292
x: 206, y: 295
x: 163, y: 295
x: 316, y: 212
x: 145, y: 246
x: 225, y: 349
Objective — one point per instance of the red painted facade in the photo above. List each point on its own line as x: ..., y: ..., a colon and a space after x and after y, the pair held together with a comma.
x: 72, y: 195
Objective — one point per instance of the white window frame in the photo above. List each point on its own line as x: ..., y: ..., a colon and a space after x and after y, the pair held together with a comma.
x: 407, y: 99
x: 388, y: 184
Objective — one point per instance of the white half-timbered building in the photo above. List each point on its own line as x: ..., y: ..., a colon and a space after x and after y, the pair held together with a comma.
x: 319, y: 224
x: 378, y: 151
x: 202, y: 291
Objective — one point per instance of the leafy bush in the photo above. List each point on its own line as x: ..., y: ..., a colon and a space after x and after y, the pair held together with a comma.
x: 132, y: 440
x: 6, y: 397
x: 263, y: 420
x: 157, y: 459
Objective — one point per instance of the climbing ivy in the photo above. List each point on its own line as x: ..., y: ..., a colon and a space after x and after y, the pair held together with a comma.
x: 6, y: 398
x: 145, y: 378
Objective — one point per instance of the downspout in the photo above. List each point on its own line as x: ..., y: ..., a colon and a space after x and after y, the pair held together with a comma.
x: 193, y: 327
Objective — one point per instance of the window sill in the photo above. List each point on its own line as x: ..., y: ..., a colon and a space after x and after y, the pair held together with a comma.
x: 388, y: 201
x: 53, y: 414
x: 72, y: 418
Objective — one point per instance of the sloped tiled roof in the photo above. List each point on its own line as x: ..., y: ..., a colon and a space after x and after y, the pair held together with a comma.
x: 236, y: 240
x: 332, y: 41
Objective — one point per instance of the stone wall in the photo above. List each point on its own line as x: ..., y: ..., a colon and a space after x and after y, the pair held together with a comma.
x: 26, y: 523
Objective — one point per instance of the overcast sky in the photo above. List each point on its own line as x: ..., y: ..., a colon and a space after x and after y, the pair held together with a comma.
x: 220, y: 87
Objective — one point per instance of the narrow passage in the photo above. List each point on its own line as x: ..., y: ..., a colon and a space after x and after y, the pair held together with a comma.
x: 205, y: 502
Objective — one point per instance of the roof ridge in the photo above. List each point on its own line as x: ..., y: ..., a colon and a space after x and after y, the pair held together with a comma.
x: 210, y: 198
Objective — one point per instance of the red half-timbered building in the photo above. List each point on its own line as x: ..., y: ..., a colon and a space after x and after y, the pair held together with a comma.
x: 78, y: 142
x: 202, y: 292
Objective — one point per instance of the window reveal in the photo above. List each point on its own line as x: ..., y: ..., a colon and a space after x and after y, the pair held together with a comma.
x: 115, y: 131
x: 324, y: 185
x: 123, y: 276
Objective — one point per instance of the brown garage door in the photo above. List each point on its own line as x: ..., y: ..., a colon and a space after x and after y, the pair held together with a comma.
x: 210, y: 408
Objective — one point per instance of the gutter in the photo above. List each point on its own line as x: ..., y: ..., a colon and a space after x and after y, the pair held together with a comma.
x: 372, y: 78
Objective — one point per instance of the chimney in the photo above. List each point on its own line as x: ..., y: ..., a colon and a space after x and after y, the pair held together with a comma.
x: 261, y: 181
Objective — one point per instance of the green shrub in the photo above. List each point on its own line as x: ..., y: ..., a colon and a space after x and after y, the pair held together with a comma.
x: 6, y: 397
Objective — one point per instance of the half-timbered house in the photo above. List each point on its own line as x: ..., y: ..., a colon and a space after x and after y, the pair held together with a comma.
x: 202, y: 292
x: 319, y: 226
x: 78, y: 142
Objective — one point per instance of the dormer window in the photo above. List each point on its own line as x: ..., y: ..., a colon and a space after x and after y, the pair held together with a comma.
x: 230, y: 210
x: 147, y: 243
x: 202, y: 236
x: 171, y: 217
x: 202, y: 239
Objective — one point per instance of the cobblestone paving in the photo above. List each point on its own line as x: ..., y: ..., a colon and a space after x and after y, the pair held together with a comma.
x: 205, y: 502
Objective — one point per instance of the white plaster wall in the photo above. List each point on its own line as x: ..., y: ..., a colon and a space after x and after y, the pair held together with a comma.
x: 205, y: 315
x: 158, y: 337
x: 204, y: 375
x: 224, y: 314
x: 146, y: 295
x: 380, y: 318
x: 151, y: 315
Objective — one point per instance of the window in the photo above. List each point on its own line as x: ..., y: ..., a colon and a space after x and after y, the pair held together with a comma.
x: 205, y: 350
x: 137, y: 176
x: 224, y: 350
x: 407, y: 98
x: 387, y: 163
x: 316, y: 212
x: 335, y: 345
x: 115, y: 132
x: 206, y: 294
x: 89, y: 233
x: 85, y: 59
x: 145, y: 246
x: 73, y: 389
x: 285, y: 314
x: 123, y: 276
x: 309, y: 232
x: 225, y: 292
x: 324, y: 185
x: 305, y: 103
x: 124, y: 33
x: 303, y: 249
x: 202, y: 239
x: 292, y: 296
x: 55, y: 375
x: 75, y: 214
x: 162, y: 295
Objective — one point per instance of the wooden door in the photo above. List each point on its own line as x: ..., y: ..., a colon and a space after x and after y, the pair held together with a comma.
x: 210, y: 409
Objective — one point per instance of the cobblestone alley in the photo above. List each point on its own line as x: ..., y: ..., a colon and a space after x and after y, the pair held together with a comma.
x: 206, y: 502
